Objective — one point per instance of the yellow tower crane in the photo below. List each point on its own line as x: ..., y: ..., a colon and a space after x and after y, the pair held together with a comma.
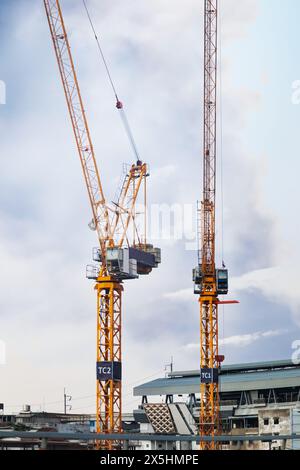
x: 119, y: 257
x: 210, y: 282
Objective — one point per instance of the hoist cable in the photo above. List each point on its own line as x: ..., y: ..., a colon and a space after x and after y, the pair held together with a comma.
x: 119, y: 104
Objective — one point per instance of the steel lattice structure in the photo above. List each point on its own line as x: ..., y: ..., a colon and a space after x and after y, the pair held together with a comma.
x: 109, y: 393
x: 209, y: 411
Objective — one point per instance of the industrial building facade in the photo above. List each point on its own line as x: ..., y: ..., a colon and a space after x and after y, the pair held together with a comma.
x: 259, y: 398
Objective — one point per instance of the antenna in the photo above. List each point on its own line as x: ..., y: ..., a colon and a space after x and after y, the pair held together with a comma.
x: 67, y: 398
x: 170, y: 366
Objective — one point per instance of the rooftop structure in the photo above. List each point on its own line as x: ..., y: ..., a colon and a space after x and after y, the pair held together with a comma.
x: 255, y: 398
x: 280, y: 376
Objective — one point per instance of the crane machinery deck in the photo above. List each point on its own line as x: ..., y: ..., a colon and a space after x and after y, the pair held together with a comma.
x: 123, y: 253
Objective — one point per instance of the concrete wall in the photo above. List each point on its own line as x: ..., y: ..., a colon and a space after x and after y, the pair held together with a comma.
x: 275, y: 421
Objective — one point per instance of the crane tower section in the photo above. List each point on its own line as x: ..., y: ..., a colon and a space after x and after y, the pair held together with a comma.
x: 209, y: 281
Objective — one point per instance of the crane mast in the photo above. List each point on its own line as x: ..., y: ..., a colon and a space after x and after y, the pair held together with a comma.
x: 209, y: 410
x: 115, y: 261
x: 209, y: 281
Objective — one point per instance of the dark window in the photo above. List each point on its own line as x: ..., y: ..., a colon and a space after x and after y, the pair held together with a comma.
x: 276, y: 420
x: 266, y: 421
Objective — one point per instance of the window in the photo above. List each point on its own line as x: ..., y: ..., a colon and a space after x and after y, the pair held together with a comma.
x: 266, y: 421
x: 276, y: 420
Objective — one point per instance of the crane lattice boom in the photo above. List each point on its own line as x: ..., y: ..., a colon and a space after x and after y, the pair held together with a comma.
x: 79, y: 120
x: 209, y: 140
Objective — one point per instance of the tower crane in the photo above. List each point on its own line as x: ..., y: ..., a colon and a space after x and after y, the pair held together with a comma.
x: 123, y: 252
x: 209, y: 281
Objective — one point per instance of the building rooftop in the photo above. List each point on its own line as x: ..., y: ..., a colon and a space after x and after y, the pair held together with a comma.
x: 233, y: 378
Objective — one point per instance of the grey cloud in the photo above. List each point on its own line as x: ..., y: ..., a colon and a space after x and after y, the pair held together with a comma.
x: 160, y: 83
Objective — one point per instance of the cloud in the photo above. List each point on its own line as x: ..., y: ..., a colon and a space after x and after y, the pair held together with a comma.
x: 47, y: 308
x: 244, y: 340
x: 235, y: 16
x: 248, y: 339
x: 180, y: 295
x: 278, y: 284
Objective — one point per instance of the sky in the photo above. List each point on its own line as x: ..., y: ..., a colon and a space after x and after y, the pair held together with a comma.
x: 154, y: 50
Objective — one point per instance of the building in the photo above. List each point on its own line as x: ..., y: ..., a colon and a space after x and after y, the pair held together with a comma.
x: 259, y: 398
x: 56, y: 421
x: 32, y: 422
